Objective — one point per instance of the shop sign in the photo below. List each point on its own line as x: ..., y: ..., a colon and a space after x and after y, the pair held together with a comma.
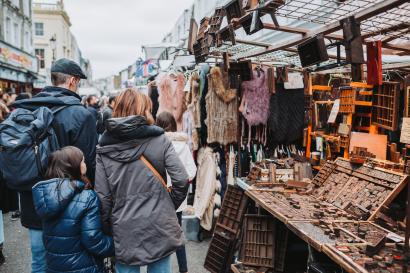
x: 17, y: 58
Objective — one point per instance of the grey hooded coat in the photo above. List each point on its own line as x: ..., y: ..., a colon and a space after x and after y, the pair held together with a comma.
x: 136, y: 207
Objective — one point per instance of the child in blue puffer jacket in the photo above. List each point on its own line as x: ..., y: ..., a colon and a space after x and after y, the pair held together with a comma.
x: 69, y: 208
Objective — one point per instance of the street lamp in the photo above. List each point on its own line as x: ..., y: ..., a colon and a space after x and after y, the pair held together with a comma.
x: 53, y: 46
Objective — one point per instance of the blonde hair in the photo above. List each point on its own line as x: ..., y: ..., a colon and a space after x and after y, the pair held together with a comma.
x: 131, y: 102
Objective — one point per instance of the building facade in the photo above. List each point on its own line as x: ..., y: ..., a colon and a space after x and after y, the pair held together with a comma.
x: 18, y: 64
x: 53, y: 39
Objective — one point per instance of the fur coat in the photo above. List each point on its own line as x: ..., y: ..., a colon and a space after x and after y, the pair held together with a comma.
x: 222, y: 108
x: 255, y: 102
x: 172, y: 96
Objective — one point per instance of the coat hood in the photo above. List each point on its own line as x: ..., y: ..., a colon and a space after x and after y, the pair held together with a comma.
x: 122, y: 134
x: 50, y: 96
x: 51, y: 197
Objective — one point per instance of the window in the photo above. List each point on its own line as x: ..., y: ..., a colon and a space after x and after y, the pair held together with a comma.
x: 16, y: 3
x: 40, y: 55
x: 39, y: 29
x: 27, y: 41
x: 8, y: 29
x: 16, y: 31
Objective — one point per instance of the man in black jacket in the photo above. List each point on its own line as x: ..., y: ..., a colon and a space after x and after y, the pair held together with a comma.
x: 74, y: 126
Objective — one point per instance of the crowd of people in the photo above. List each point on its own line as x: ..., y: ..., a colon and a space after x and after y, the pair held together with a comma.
x: 114, y: 187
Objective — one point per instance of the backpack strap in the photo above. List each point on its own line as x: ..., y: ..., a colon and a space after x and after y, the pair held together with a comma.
x: 155, y: 172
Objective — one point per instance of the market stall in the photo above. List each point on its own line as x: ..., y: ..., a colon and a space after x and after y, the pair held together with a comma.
x: 298, y: 114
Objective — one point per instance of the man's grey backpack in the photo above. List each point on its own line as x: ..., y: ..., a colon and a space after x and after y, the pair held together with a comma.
x: 27, y: 138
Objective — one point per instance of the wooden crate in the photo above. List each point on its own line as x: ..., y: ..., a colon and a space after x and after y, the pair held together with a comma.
x: 202, y: 28
x: 226, y: 232
x: 347, y: 96
x: 258, y: 241
x: 234, y: 10
x: 216, y: 21
x: 218, y: 256
x: 232, y: 210
x: 385, y: 113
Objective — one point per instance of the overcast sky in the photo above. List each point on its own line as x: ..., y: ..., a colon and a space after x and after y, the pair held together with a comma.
x: 110, y: 33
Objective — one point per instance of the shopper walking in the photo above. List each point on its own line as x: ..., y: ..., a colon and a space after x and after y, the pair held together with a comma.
x: 74, y: 125
x: 179, y: 140
x: 106, y: 115
x: 69, y: 208
x: 133, y: 158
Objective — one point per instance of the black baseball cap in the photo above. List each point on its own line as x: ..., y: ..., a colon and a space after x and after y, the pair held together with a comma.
x: 68, y: 67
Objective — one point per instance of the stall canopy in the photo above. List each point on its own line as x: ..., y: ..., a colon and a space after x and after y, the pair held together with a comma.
x: 295, y: 21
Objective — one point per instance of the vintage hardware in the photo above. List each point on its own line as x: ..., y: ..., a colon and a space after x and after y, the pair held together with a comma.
x: 216, y: 21
x: 390, y: 258
x: 222, y: 245
x: 234, y: 10
x: 218, y: 256
x: 313, y: 51
x: 292, y: 206
x: 407, y: 96
x: 203, y: 27
x: 352, y: 40
x: 385, y: 111
x: 359, y: 155
x: 350, y: 186
x: 193, y: 33
x: 232, y: 210
x: 258, y: 241
x: 252, y: 23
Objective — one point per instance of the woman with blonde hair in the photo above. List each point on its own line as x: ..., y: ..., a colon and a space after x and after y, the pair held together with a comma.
x: 133, y: 159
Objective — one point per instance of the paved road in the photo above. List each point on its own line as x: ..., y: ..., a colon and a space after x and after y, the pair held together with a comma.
x: 18, y: 256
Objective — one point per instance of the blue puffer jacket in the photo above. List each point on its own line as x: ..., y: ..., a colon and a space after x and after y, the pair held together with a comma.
x: 72, y: 230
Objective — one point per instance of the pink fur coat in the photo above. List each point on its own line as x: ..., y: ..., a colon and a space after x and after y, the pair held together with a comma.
x: 172, y: 96
x: 255, y: 100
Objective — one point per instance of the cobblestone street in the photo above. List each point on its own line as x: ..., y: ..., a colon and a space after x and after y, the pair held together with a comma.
x: 18, y: 256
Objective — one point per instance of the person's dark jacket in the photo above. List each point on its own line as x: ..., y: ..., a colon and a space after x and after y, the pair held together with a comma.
x: 72, y: 227
x: 136, y: 207
x: 94, y: 110
x: 75, y: 126
x: 106, y: 115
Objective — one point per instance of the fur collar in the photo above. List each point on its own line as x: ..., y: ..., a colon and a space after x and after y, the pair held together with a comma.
x: 177, y: 136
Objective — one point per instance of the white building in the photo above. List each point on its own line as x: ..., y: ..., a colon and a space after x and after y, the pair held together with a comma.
x: 52, y: 35
x: 18, y: 65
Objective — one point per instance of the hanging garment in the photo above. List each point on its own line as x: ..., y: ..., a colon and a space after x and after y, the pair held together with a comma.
x: 203, y: 92
x: 187, y: 128
x: 282, y: 74
x: 153, y: 94
x: 271, y: 80
x: 255, y: 101
x: 172, y: 96
x: 194, y: 100
x: 231, y: 166
x: 206, y: 186
x: 286, y: 115
x: 221, y: 105
x: 374, y: 63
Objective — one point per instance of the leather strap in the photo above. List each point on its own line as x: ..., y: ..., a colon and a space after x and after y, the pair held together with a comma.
x: 155, y: 172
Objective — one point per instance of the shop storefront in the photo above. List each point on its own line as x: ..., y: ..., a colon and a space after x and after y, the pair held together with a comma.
x: 18, y: 70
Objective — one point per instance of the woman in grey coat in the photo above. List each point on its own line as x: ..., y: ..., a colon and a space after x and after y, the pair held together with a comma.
x: 133, y: 158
